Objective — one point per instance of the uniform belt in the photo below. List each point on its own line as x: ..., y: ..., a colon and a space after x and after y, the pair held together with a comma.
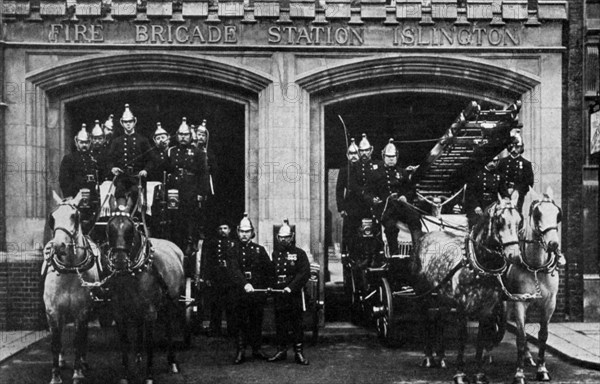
x: 248, y: 275
x: 90, y: 178
x: 223, y: 263
x: 185, y: 172
x: 282, y: 279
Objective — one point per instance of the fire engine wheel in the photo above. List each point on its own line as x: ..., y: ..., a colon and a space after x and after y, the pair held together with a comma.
x: 383, y: 310
x: 189, y: 313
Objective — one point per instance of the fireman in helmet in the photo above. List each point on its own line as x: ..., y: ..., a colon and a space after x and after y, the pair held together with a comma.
x: 206, y: 181
x: 99, y: 150
x: 516, y: 172
x: 360, y: 177
x: 79, y: 170
x: 349, y: 202
x: 392, y: 186
x: 161, y: 168
x: 129, y: 160
x: 292, y: 273
x: 250, y: 268
x: 186, y: 171
x: 108, y: 128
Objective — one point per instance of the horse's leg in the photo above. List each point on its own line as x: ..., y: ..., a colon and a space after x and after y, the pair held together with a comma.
x: 484, y: 334
x: 55, y: 324
x: 149, y: 342
x: 81, y: 333
x: 440, y: 326
x: 123, y: 336
x: 171, y: 311
x: 519, y: 310
x: 460, y: 377
x: 548, y: 311
x: 139, y: 329
x: 428, y: 329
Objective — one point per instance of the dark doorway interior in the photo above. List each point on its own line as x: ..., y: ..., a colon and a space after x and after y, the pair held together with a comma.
x: 225, y: 122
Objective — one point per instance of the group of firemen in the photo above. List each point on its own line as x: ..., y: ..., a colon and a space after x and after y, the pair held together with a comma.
x: 383, y: 191
x: 237, y: 273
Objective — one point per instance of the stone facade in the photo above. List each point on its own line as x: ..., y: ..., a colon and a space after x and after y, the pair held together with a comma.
x: 284, y: 63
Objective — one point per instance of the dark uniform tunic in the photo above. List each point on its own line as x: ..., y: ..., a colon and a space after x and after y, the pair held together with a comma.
x: 517, y: 173
x: 250, y: 263
x: 360, y: 176
x: 100, y: 155
x: 186, y: 169
x: 384, y: 182
x: 160, y: 164
x: 77, y: 170
x: 220, y: 286
x: 293, y: 271
x: 481, y: 192
x: 350, y: 201
x: 130, y: 153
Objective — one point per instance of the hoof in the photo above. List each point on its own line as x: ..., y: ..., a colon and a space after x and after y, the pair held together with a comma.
x: 542, y: 376
x: 174, y: 368
x: 481, y: 378
x: 427, y: 362
x: 519, y: 380
x: 56, y: 379
x: 461, y: 378
x: 529, y: 362
x: 443, y: 364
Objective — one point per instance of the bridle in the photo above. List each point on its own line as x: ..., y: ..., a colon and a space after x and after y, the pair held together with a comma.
x: 71, y: 234
x: 143, y: 259
x: 498, y: 211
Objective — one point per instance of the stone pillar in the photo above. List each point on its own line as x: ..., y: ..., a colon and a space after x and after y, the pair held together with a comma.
x: 283, y: 154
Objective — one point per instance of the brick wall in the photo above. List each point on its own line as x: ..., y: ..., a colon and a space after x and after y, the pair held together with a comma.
x: 21, y: 305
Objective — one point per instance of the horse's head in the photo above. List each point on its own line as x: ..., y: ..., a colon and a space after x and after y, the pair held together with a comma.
x: 544, y: 216
x: 121, y: 235
x: 504, y: 226
x: 65, y: 224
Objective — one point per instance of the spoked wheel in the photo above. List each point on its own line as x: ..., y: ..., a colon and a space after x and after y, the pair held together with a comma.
x: 383, y: 310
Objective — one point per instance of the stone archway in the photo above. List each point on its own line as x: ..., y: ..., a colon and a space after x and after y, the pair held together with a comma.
x: 423, y: 74
x: 54, y: 87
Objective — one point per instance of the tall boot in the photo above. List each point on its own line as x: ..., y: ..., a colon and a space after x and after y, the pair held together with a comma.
x: 280, y: 355
x: 241, y: 348
x: 299, y: 355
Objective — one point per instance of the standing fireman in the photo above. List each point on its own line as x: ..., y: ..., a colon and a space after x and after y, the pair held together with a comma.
x: 79, y: 170
x: 215, y: 275
x: 293, y: 272
x: 186, y: 166
x: 348, y: 200
x: 515, y: 172
x: 129, y: 159
x: 250, y: 268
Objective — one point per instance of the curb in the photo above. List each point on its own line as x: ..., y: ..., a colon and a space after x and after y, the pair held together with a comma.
x: 19, y: 345
x: 561, y: 354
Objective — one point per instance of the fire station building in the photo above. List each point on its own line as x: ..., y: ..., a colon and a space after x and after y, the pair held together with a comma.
x: 271, y: 77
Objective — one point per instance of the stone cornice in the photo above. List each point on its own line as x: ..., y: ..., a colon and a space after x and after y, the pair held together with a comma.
x: 97, y: 68
x: 354, y: 12
x: 447, y: 68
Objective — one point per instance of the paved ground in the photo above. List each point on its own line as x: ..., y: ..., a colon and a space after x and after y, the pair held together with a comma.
x: 349, y: 356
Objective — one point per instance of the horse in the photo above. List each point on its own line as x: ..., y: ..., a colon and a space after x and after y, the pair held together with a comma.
x: 459, y: 268
x: 534, y: 279
x: 70, y: 265
x: 147, y: 277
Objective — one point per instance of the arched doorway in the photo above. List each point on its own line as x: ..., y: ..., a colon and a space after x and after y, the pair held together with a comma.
x: 159, y: 87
